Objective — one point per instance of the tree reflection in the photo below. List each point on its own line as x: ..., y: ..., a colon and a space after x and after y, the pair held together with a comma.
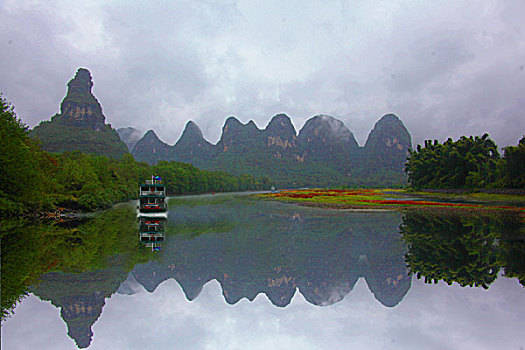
x: 32, y: 249
x: 469, y: 249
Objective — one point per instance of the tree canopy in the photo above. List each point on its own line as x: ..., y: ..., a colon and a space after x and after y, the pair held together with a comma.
x: 469, y: 162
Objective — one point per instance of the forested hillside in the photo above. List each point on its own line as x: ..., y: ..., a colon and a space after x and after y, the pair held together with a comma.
x: 35, y: 180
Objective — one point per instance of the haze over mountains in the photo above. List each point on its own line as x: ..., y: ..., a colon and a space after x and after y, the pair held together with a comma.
x: 323, y: 152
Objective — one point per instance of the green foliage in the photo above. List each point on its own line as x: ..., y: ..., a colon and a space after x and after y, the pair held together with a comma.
x: 35, y: 180
x: 470, y: 162
x: 58, y: 136
x: 20, y: 180
x: 514, y: 165
x: 185, y: 178
x: 467, y: 249
x: 30, y: 249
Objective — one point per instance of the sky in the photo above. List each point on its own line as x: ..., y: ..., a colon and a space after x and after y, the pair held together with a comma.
x: 429, y: 317
x: 446, y: 68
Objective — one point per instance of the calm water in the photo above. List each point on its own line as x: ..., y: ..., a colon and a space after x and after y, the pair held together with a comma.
x: 231, y: 272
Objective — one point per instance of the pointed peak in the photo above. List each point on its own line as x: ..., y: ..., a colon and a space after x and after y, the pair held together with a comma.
x: 232, y: 120
x: 192, y: 129
x: 281, y: 124
x: 389, y: 118
x: 81, y: 83
x: 80, y: 107
x: 251, y: 124
x: 387, y: 131
x: 150, y: 134
x: 235, y: 125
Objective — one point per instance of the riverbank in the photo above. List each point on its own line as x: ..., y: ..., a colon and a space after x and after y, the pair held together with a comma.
x: 513, y: 196
x: 394, y: 199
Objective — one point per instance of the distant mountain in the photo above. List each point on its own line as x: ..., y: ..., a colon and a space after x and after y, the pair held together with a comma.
x: 192, y: 147
x: 130, y: 136
x: 387, y: 147
x: 151, y: 149
x: 80, y: 126
x: 325, y: 152
x: 328, y: 141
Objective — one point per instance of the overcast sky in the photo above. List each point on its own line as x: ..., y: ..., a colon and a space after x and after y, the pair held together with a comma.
x: 429, y: 317
x: 446, y: 68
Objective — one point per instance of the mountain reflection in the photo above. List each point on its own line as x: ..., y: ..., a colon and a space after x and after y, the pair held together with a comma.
x: 81, y: 297
x: 252, y: 247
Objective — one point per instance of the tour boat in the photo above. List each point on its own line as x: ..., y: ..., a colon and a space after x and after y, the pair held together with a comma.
x: 152, y: 196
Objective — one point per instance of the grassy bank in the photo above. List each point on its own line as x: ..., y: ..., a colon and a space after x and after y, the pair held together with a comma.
x: 395, y: 199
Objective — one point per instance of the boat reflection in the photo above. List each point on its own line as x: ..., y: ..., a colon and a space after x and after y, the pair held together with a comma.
x: 152, y: 231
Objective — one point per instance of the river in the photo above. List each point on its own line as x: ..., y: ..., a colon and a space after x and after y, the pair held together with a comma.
x: 229, y: 271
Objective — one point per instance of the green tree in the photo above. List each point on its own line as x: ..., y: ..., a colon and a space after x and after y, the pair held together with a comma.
x: 19, y: 156
x: 514, y: 165
x: 469, y: 162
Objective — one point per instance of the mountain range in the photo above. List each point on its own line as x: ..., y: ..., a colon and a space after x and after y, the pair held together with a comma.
x: 323, y: 153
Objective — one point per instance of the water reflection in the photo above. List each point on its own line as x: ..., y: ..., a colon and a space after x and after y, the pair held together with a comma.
x: 252, y: 247
x: 81, y: 297
x: 151, y: 231
x: 467, y: 249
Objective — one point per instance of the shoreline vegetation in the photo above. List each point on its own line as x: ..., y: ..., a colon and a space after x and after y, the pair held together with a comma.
x: 36, y: 183
x: 397, y: 199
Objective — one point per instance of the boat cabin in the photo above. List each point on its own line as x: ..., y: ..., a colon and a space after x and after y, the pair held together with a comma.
x: 152, y: 204
x: 152, y: 196
x: 155, y: 189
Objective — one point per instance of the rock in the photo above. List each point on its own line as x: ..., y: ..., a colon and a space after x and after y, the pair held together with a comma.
x: 387, y: 146
x: 81, y: 125
x: 80, y: 107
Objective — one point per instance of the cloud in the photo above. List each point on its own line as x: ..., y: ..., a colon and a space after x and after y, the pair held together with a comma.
x: 446, y: 68
x: 429, y: 317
